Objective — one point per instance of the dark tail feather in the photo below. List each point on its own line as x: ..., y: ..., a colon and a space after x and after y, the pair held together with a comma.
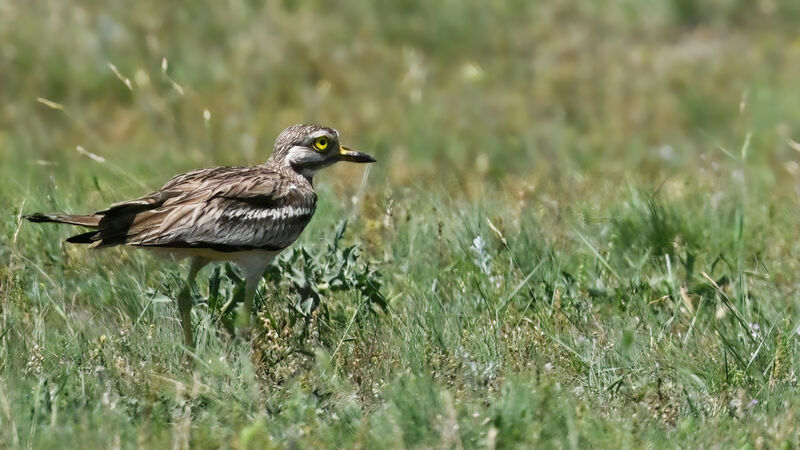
x: 92, y: 221
x: 84, y: 238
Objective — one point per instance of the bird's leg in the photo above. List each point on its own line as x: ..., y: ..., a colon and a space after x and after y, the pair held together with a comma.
x: 185, y: 300
x: 245, y: 318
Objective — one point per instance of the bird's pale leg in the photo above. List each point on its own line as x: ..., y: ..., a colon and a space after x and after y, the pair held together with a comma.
x: 185, y: 300
x: 251, y: 286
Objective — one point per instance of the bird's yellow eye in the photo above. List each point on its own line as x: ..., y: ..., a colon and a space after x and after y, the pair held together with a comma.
x: 321, y: 143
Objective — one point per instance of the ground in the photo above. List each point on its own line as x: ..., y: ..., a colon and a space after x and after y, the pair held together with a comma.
x: 582, y: 229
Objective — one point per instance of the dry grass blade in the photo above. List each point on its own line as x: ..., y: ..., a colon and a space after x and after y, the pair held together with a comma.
x: 50, y: 104
x: 125, y: 80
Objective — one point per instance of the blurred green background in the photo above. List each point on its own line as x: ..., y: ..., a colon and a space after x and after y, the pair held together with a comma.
x: 638, y: 162
x: 451, y: 89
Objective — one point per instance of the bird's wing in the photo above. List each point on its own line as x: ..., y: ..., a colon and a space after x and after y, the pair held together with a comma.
x: 224, y: 209
x: 177, y: 186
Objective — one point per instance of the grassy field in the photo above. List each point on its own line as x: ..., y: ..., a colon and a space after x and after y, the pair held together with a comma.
x: 582, y: 230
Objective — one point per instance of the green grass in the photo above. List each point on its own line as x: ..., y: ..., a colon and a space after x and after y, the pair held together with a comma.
x: 583, y: 224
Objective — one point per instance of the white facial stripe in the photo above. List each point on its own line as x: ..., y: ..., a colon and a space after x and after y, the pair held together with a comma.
x: 303, y: 154
x: 307, y: 161
x: 322, y: 133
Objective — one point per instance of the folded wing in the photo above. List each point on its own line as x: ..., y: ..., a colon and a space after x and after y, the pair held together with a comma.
x: 225, y: 209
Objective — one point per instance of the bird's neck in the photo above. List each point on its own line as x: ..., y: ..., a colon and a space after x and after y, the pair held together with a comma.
x: 288, y: 169
x: 308, y: 174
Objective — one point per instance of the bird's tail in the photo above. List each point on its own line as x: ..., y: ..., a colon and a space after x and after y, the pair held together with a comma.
x: 84, y: 220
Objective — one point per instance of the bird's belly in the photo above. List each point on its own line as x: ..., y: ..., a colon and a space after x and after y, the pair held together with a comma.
x: 248, y: 257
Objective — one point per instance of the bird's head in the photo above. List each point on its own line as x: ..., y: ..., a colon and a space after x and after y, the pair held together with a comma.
x: 308, y: 148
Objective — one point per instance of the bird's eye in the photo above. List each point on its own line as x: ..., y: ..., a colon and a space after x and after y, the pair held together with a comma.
x: 321, y: 143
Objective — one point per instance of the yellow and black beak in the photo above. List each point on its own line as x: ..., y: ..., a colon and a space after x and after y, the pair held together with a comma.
x: 345, y: 154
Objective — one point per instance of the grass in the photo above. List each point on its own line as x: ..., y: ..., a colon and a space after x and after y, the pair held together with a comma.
x: 581, y: 232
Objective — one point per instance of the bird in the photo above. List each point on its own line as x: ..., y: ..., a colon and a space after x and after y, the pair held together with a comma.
x: 243, y: 215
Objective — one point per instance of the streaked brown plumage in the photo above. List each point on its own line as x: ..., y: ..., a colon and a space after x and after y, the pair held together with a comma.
x: 246, y: 215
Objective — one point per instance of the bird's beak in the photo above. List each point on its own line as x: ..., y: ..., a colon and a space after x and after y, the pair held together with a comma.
x: 345, y: 154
